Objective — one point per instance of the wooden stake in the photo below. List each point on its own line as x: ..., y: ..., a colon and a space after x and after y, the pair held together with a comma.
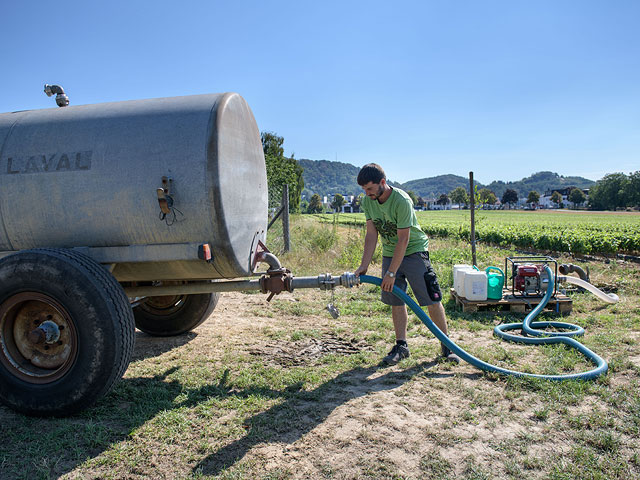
x: 472, y: 202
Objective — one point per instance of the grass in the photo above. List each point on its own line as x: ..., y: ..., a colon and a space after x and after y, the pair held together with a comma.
x: 222, y: 402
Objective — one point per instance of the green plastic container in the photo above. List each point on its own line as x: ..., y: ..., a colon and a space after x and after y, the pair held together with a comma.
x: 495, y: 283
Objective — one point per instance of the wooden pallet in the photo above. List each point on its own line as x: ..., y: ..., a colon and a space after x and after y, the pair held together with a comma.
x: 514, y: 303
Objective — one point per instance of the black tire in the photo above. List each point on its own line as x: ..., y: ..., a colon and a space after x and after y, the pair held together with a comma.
x: 173, y: 315
x: 73, y: 295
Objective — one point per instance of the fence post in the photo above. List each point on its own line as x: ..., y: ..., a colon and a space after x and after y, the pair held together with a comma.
x: 472, y: 198
x: 285, y: 217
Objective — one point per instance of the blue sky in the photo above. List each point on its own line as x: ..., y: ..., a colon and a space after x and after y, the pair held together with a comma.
x: 504, y: 88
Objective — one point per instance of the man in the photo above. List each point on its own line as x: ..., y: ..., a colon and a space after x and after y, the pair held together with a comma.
x: 405, y: 256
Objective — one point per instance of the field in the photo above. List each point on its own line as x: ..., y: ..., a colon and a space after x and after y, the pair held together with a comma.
x: 281, y: 390
x: 558, y: 231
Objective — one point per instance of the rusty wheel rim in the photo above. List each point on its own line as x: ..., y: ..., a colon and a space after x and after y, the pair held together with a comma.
x: 165, y: 305
x: 39, y: 341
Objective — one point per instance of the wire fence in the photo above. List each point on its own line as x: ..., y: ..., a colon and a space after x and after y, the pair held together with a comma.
x: 278, y: 231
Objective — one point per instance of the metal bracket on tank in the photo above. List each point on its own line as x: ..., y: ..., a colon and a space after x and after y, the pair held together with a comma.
x: 168, y: 212
x: 164, y: 198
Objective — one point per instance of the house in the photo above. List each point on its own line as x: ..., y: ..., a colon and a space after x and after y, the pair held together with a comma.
x: 430, y: 204
x: 546, y: 202
x: 349, y: 206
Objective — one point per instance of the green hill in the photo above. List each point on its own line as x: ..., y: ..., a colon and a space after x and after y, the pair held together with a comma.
x: 540, y: 182
x: 325, y: 177
x: 328, y: 178
x: 432, y: 187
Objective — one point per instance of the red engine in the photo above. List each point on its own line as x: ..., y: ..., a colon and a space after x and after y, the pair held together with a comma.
x: 527, y: 279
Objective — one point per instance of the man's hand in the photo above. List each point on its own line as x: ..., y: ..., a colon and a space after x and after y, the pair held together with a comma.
x: 361, y: 270
x: 387, y: 283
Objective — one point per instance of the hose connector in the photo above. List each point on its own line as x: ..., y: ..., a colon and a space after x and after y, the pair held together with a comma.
x: 349, y: 280
x: 62, y: 100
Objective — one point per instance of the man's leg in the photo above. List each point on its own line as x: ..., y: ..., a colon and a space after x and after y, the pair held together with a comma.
x: 400, y: 320
x: 400, y: 350
x: 398, y: 314
x: 424, y: 284
x: 436, y: 313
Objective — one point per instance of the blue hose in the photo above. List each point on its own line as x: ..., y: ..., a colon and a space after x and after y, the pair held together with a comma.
x: 526, y: 326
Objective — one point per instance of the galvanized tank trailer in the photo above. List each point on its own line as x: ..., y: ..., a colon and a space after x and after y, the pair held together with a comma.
x: 122, y: 215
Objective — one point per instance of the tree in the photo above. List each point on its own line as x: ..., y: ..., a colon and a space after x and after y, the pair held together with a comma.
x: 487, y: 197
x: 315, y: 204
x: 610, y: 192
x: 576, y: 196
x: 338, y: 202
x: 510, y: 196
x: 556, y: 198
x: 272, y: 144
x: 460, y: 196
x: 413, y: 196
x: 633, y: 189
x: 533, y: 197
x: 282, y: 170
x: 442, y: 199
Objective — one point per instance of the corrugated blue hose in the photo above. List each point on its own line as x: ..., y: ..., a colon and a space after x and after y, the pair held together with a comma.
x: 542, y: 338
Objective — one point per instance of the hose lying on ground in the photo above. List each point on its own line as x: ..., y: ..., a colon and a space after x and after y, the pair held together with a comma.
x: 605, y: 297
x: 543, y: 338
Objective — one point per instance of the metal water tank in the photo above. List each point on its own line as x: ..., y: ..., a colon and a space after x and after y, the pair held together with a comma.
x: 141, y: 185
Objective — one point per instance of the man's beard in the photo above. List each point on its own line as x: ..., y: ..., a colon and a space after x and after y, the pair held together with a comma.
x: 378, y: 194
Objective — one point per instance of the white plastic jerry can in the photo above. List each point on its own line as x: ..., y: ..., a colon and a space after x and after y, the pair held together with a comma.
x: 475, y: 285
x: 458, y: 285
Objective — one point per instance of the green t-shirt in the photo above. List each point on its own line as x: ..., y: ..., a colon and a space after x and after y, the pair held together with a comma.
x: 397, y: 212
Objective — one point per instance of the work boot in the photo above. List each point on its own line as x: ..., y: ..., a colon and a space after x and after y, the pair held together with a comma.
x: 397, y: 353
x: 448, y: 355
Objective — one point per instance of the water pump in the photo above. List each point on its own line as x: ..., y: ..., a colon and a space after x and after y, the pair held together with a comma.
x: 528, y: 275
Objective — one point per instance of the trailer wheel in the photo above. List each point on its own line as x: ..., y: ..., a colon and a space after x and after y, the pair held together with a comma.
x: 66, y: 331
x: 174, y: 314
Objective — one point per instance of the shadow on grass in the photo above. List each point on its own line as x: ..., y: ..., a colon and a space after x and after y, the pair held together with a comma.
x: 150, y: 346
x: 298, y: 415
x: 51, y: 447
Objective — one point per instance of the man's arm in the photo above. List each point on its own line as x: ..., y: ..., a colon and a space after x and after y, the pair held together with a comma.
x: 370, y: 242
x: 398, y: 256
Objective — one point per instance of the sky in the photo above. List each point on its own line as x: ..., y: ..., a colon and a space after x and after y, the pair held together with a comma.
x: 503, y: 88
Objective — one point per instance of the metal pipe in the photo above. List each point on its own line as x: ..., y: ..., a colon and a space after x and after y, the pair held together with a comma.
x: 192, y: 288
x: 62, y: 100
x: 567, y: 268
x: 270, y: 259
x: 324, y: 281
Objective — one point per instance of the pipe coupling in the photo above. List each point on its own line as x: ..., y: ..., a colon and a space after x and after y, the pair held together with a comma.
x: 349, y: 279
x: 326, y: 281
x: 275, y: 282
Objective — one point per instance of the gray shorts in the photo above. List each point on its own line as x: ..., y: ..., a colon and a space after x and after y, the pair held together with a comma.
x: 416, y: 268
